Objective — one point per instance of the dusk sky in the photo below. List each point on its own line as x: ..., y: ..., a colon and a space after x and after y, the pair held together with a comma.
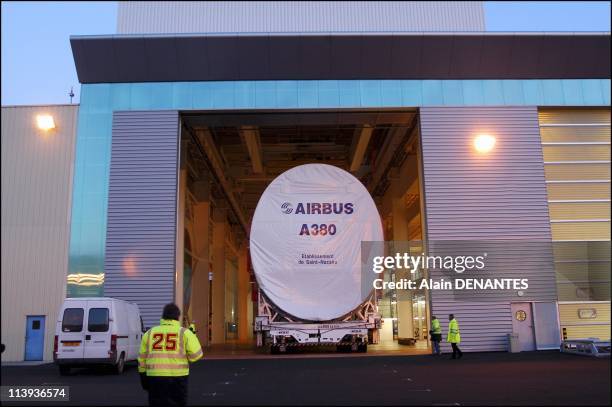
x: 37, y: 64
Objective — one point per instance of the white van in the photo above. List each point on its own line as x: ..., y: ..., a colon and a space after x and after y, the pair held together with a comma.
x: 97, y: 331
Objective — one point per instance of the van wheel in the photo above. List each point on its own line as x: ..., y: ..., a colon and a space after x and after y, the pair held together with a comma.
x: 64, y: 370
x: 120, y: 365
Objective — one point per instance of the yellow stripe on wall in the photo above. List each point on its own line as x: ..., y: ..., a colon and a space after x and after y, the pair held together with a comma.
x: 579, y: 210
x: 576, y: 152
x: 574, y: 172
x: 575, y: 134
x: 581, y: 231
x: 574, y: 116
x: 590, y: 291
x: 578, y: 191
x: 572, y: 251
x: 582, y: 272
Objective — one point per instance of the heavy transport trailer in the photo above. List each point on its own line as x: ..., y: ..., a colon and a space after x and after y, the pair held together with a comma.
x: 281, y: 332
x: 306, y: 252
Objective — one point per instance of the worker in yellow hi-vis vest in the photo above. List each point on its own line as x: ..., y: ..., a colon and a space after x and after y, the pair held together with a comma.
x: 436, y: 335
x: 163, y: 362
x: 454, y: 337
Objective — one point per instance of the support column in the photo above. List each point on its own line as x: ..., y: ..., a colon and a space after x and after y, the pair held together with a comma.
x: 404, y: 297
x: 243, y: 295
x: 220, y: 229
x: 200, y: 287
x: 423, y: 218
x: 180, y: 241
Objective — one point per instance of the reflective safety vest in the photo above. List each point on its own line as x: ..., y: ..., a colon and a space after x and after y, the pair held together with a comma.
x: 453, y: 332
x: 167, y: 349
x: 435, y: 326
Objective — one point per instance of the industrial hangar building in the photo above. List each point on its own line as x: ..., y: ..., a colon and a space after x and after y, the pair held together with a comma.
x: 145, y: 190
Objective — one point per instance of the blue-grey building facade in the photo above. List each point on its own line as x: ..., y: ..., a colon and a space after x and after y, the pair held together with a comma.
x: 144, y: 88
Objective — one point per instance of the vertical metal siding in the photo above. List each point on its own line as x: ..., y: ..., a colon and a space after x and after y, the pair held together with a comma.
x: 36, y: 195
x: 139, y: 262
x: 499, y: 196
x: 169, y: 17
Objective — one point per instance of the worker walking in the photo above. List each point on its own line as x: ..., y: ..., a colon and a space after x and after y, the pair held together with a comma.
x: 163, y: 361
x: 436, y: 335
x: 454, y: 337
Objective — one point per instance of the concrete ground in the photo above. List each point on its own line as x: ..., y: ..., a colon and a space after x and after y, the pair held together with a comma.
x: 535, y: 378
x: 248, y: 351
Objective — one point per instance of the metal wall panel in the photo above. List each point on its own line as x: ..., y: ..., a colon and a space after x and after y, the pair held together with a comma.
x: 577, y: 164
x: 595, y: 321
x: 498, y: 196
x: 36, y: 195
x: 332, y: 56
x: 140, y: 259
x: 576, y: 144
x: 152, y: 17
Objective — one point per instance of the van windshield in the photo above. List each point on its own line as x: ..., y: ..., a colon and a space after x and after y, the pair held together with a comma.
x: 98, y: 320
x: 72, y: 320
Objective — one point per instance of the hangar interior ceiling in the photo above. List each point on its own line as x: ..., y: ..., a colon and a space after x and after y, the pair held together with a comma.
x: 241, y: 153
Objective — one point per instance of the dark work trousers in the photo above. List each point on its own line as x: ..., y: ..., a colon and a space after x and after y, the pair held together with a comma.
x: 167, y: 391
x: 435, y: 342
x: 456, y: 350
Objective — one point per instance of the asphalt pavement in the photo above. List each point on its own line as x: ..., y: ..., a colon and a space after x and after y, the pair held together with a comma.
x: 535, y: 378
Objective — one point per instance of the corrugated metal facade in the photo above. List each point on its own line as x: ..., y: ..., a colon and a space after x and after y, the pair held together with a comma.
x: 36, y: 193
x: 140, y: 259
x: 585, y: 319
x: 576, y: 144
x: 152, y: 17
x: 498, y: 196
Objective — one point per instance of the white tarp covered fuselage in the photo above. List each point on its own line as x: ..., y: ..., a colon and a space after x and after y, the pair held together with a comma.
x: 306, y: 239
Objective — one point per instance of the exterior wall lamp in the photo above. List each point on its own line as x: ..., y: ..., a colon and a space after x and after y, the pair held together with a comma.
x: 484, y: 143
x: 45, y: 122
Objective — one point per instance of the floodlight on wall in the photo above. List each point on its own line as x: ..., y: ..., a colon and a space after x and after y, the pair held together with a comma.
x: 45, y: 122
x: 484, y: 143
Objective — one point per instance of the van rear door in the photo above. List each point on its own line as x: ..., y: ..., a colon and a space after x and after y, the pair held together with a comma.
x: 71, y: 336
x: 97, y: 330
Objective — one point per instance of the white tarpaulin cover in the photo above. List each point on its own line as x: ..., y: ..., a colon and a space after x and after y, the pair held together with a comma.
x: 306, y: 239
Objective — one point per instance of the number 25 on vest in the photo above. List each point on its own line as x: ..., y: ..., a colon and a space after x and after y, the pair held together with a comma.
x: 164, y: 341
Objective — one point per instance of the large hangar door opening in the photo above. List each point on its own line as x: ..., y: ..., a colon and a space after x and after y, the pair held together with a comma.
x: 227, y: 161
